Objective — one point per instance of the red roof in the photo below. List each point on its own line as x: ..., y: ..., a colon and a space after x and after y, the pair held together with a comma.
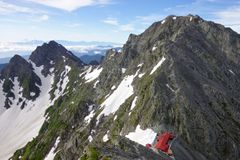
x: 162, y: 141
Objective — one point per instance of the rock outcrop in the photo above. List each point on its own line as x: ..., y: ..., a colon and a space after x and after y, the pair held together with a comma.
x: 181, y: 75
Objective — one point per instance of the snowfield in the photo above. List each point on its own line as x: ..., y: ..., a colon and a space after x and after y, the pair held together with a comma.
x: 17, y: 127
x: 142, y: 137
x: 92, y: 75
x: 118, y: 97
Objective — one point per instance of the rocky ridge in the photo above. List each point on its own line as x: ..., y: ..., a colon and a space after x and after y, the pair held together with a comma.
x: 181, y: 75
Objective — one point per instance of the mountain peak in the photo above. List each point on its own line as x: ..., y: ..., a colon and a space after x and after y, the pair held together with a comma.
x: 16, y: 67
x: 19, y: 71
x: 17, y: 59
x: 53, y: 53
x: 53, y: 43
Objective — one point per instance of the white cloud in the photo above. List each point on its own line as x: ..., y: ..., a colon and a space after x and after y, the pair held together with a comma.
x: 120, y: 27
x: 70, y: 5
x: 229, y: 17
x: 127, y: 27
x: 6, y: 8
x: 74, y: 25
x: 44, y: 17
x: 111, y: 21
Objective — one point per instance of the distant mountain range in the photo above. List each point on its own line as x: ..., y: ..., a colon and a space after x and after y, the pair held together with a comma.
x: 79, y: 48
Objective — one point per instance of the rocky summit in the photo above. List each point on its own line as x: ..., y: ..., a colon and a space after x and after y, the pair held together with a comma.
x: 180, y: 77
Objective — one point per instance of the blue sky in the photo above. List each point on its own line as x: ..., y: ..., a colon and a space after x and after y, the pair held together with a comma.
x: 101, y: 20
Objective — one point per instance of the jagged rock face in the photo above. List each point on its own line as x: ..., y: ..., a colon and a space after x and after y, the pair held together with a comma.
x: 53, y: 55
x: 28, y: 89
x: 184, y: 77
x: 195, y: 94
x: 20, y: 69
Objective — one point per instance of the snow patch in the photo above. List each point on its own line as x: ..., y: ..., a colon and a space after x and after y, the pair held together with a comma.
x: 174, y: 18
x: 62, y: 83
x: 231, y: 72
x: 142, y: 136
x: 90, y: 108
x: 170, y: 88
x: 105, y: 137
x: 124, y: 70
x: 32, y: 94
x: 118, y: 97
x: 163, y: 21
x: 191, y: 19
x: 141, y: 75
x: 113, y: 87
x: 19, y: 126
x: 64, y: 59
x: 115, y: 117
x: 92, y: 75
x: 90, y: 138
x: 140, y: 65
x: 154, y: 48
x: 133, y: 103
x: 52, y: 152
x: 158, y: 65
x: 88, y: 118
x: 95, y: 84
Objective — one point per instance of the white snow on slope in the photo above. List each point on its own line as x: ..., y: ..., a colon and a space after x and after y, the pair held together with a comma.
x: 95, y: 84
x: 118, y: 97
x: 52, y: 152
x: 169, y: 87
x: 141, y: 75
x: 113, y: 87
x: 62, y: 84
x: 92, y: 75
x: 140, y: 65
x: 163, y: 21
x: 90, y: 138
x: 231, y: 72
x: 191, y: 19
x: 142, y: 137
x: 105, y: 138
x: 133, y: 103
x: 17, y: 127
x: 88, y: 118
x: 154, y: 48
x: 158, y: 65
x: 124, y: 70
